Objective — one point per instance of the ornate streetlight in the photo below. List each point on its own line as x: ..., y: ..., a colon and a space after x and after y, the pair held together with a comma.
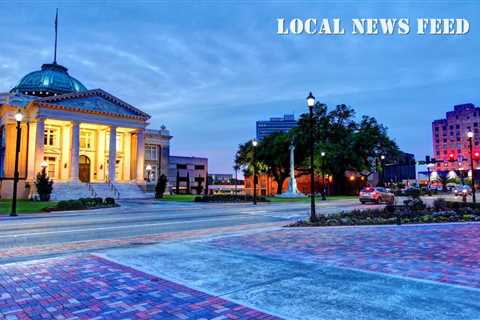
x: 254, y: 144
x: 382, y: 176
x: 44, y: 165
x: 470, y: 143
x: 324, y: 196
x: 310, y: 104
x: 18, y: 118
x: 149, y: 172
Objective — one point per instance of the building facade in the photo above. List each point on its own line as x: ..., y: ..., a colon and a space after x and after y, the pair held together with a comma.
x: 450, y: 141
x: 267, y: 127
x: 77, y: 135
x: 157, y: 153
x: 188, y: 175
x: 401, y: 170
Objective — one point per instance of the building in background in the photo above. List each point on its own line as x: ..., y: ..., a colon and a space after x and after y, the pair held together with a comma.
x: 402, y: 170
x: 267, y: 127
x: 220, y: 178
x: 188, y: 175
x: 157, y: 153
x: 224, y: 183
x: 450, y: 142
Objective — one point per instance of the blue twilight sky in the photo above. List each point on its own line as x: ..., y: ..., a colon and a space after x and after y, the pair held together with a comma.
x: 209, y: 70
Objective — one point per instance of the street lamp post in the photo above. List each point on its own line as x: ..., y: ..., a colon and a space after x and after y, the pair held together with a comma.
x: 470, y: 142
x: 254, y: 144
x: 324, y: 196
x: 382, y: 176
x: 313, y: 215
x: 18, y: 118
x: 149, y: 172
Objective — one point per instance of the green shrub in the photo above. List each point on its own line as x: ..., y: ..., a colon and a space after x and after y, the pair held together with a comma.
x: 44, y: 186
x: 161, y: 186
x: 98, y: 201
x: 440, y: 204
x: 110, y: 201
x: 70, y: 205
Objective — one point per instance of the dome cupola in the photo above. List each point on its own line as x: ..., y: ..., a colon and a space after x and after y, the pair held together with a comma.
x: 52, y: 79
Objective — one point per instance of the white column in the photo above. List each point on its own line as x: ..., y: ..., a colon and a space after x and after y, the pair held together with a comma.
x: 39, y: 144
x: 112, y: 153
x: 140, y: 156
x: 75, y: 151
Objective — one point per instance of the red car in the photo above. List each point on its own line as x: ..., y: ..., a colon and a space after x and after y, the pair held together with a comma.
x: 376, y: 195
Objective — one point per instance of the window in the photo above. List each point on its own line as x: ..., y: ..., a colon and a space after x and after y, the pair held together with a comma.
x: 199, y: 167
x: 181, y: 166
x: 51, y: 136
x: 150, y: 152
x: 86, y: 139
x: 52, y: 166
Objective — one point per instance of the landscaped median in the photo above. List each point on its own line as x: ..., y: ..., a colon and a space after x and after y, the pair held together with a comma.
x: 412, y: 212
x: 26, y: 206
x: 31, y: 206
x: 243, y: 198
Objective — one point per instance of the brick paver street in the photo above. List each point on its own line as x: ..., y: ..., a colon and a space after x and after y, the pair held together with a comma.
x: 448, y: 253
x: 89, y: 287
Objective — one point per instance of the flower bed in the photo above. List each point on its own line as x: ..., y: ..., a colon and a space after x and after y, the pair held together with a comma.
x: 84, y: 204
x: 442, y: 211
x: 228, y: 198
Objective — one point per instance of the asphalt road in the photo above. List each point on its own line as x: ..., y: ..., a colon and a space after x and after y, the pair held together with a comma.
x: 146, y: 217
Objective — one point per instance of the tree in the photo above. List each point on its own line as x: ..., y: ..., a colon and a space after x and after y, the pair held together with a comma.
x: 348, y: 145
x: 161, y: 186
x: 44, y: 186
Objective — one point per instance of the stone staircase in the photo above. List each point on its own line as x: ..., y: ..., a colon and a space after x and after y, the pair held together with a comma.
x: 132, y: 191
x: 69, y: 191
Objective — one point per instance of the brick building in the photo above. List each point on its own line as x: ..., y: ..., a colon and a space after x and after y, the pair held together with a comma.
x: 450, y: 141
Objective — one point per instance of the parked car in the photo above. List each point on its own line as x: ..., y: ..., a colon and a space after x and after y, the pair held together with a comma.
x: 460, y: 190
x: 376, y: 195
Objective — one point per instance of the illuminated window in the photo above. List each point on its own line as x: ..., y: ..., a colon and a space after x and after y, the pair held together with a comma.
x: 150, y: 152
x: 86, y: 139
x: 52, y: 166
x: 51, y: 136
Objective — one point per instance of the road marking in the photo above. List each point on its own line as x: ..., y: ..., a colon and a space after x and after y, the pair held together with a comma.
x: 114, y: 228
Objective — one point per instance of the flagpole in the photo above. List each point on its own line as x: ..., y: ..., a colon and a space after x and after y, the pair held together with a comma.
x: 56, y: 31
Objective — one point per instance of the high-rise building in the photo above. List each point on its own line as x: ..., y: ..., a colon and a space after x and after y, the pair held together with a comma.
x: 450, y: 141
x: 278, y: 124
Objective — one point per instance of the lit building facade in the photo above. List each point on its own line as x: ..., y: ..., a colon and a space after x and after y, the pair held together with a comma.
x: 267, y: 127
x: 79, y: 136
x: 188, y: 175
x: 450, y: 141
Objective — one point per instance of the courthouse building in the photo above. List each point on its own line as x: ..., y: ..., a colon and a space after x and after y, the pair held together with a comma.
x: 91, y: 142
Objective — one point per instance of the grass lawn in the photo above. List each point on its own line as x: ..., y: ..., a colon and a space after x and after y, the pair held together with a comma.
x: 25, y: 206
x: 307, y: 199
x: 179, y: 197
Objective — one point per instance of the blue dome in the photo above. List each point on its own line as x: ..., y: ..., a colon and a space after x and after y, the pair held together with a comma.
x: 51, y: 80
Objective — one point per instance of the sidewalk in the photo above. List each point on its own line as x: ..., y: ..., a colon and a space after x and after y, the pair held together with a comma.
x: 90, y: 287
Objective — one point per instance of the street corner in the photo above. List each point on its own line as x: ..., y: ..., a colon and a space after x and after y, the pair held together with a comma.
x: 87, y: 287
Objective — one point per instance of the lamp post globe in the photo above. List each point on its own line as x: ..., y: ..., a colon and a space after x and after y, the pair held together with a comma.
x: 149, y: 170
x: 19, y: 116
x: 43, y: 165
x: 18, y: 119
x: 310, y: 104
x: 310, y: 100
